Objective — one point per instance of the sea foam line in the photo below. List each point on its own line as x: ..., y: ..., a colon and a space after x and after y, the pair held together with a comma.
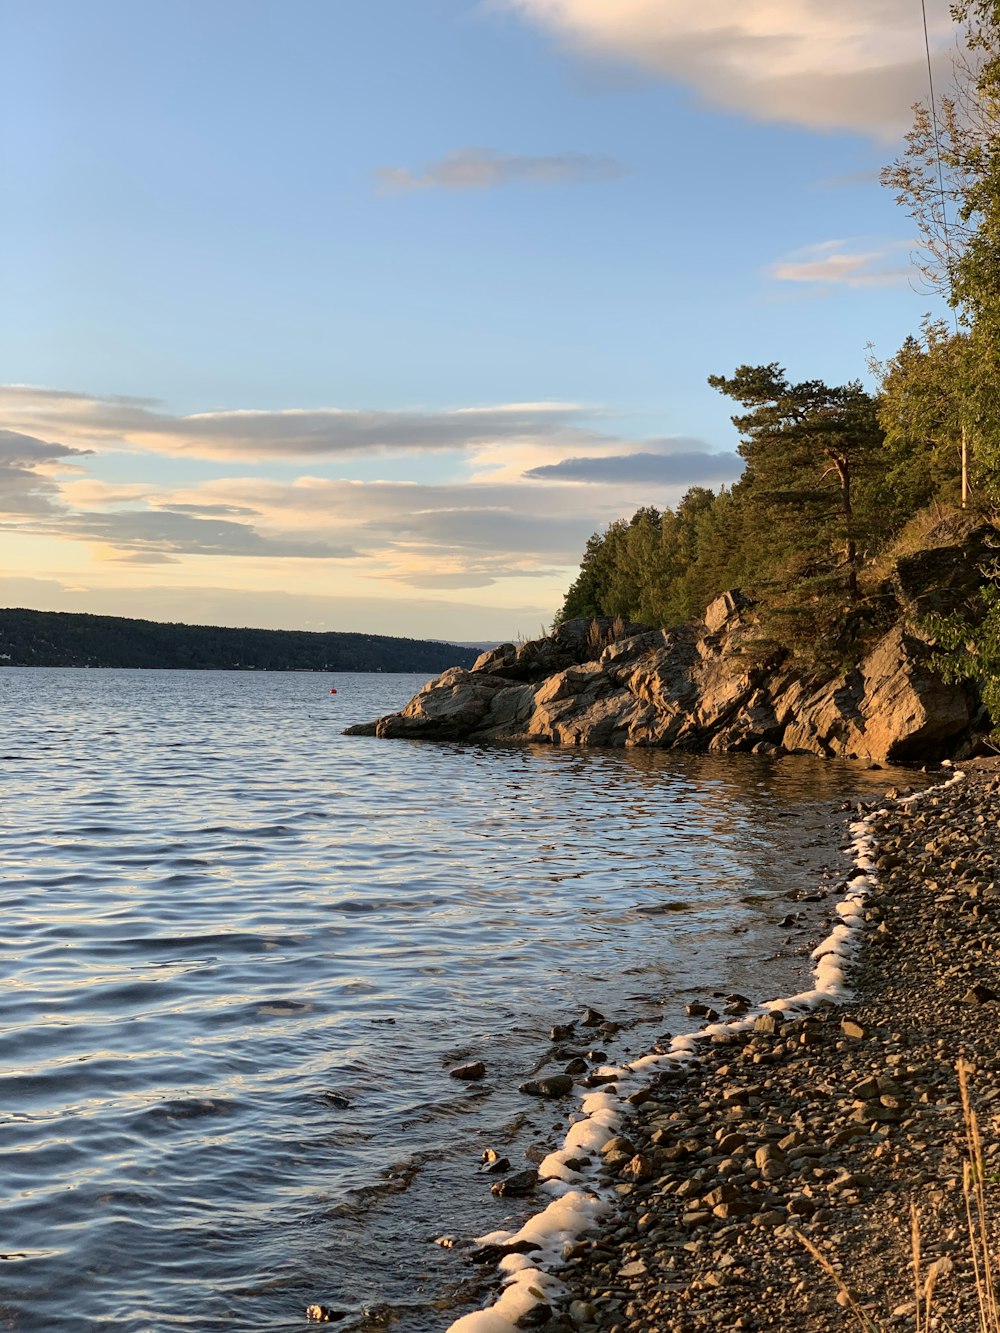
x: 578, y: 1202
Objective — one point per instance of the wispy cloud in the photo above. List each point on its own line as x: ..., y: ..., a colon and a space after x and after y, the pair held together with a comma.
x: 485, y: 169
x: 679, y: 469
x: 486, y: 525
x: 851, y: 65
x: 845, y: 264
x: 303, y: 433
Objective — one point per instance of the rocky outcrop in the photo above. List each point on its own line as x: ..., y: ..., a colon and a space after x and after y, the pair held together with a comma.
x: 706, y: 687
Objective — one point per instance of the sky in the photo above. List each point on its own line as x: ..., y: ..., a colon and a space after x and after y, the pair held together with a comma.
x: 365, y: 316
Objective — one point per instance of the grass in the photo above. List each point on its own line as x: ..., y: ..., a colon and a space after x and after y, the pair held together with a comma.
x: 925, y: 1280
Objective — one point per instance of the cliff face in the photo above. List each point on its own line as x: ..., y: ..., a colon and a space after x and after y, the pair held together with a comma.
x: 694, y: 688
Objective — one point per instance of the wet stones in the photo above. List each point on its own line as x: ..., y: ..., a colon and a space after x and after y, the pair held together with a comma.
x: 470, y: 1073
x: 824, y: 1124
x: 551, y: 1086
x: 517, y: 1186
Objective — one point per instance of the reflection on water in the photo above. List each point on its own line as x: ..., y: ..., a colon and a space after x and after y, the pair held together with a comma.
x: 240, y: 953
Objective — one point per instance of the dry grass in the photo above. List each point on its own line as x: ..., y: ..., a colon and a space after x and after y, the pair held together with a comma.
x: 925, y: 1282
x: 938, y: 525
x: 598, y: 638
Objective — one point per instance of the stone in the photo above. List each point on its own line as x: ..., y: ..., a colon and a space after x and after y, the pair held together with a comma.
x: 536, y: 1317
x: 640, y: 1167
x: 470, y: 1073
x: 552, y: 1086
x: 633, y: 1269
x: 517, y: 1186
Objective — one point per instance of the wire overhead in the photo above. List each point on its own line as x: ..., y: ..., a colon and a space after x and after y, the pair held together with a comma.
x: 937, y: 148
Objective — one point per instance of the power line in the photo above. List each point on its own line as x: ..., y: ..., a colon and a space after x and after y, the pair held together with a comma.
x: 937, y: 148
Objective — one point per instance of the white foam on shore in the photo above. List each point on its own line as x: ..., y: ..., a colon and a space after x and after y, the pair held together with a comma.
x: 579, y: 1202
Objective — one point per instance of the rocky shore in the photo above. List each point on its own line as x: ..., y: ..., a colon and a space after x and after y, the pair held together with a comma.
x: 713, y: 686
x: 823, y: 1125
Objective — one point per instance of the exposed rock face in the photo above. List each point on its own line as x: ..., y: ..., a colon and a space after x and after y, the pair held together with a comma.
x: 696, y: 688
x: 942, y: 577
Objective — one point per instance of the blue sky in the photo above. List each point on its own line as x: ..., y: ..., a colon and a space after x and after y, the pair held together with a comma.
x: 315, y: 313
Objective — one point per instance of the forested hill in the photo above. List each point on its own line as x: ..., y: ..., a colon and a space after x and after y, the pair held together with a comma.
x: 65, y: 639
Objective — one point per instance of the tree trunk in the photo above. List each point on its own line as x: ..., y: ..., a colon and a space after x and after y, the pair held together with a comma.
x: 850, y: 545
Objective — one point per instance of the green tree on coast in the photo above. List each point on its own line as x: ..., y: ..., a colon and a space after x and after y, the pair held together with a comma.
x: 834, y: 475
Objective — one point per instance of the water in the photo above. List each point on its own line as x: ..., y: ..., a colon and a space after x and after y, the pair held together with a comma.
x: 240, y: 952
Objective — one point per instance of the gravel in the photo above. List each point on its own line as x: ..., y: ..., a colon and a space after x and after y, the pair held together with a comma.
x: 825, y: 1128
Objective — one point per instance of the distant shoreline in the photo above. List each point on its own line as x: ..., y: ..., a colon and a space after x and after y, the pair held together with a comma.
x: 75, y: 639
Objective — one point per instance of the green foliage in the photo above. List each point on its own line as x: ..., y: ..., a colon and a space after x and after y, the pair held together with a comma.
x: 811, y: 499
x: 968, y: 648
x: 923, y: 410
x: 948, y: 180
x: 659, y: 567
x: 57, y: 638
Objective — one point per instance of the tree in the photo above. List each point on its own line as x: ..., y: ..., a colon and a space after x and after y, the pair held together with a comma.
x: 807, y: 446
x: 588, y: 592
x: 924, y: 409
x: 948, y: 179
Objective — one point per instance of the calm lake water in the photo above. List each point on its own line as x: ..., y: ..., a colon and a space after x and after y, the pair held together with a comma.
x: 240, y: 952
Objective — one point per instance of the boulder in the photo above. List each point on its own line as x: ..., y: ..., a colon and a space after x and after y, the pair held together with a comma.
x: 943, y: 578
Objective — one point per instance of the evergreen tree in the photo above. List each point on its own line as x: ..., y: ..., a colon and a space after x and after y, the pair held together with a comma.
x: 808, y: 448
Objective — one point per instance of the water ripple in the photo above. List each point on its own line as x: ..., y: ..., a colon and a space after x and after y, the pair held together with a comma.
x: 241, y: 952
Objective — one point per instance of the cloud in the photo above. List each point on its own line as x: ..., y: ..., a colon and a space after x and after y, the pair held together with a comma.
x: 856, y: 64
x: 851, y: 180
x: 294, y: 432
x: 485, y: 169
x: 485, y: 527
x: 679, y: 469
x: 835, y: 263
x: 210, y: 511
x: 456, y: 534
x: 25, y: 463
x: 156, y: 535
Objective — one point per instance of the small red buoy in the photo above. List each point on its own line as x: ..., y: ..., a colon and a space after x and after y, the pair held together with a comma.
x: 333, y: 691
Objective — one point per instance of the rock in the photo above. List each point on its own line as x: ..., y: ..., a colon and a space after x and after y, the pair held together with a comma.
x: 597, y: 682
x: 324, y: 1314
x: 942, y: 578
x: 979, y: 994
x: 517, y: 1186
x: 634, y: 1269
x: 494, y: 1165
x: 470, y: 1073
x: 337, y: 1099
x: 851, y: 1028
x: 582, y: 1312
x: 639, y: 1168
x: 535, y: 1317
x: 553, y: 1085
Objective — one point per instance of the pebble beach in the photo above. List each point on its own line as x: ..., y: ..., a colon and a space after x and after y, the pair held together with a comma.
x: 777, y: 1176
x: 824, y: 1127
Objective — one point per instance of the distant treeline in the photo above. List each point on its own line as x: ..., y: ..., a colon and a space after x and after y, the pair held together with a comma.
x: 65, y: 639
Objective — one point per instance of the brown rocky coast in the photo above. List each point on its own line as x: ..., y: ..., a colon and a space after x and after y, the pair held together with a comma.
x: 712, y: 686
x: 824, y: 1125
